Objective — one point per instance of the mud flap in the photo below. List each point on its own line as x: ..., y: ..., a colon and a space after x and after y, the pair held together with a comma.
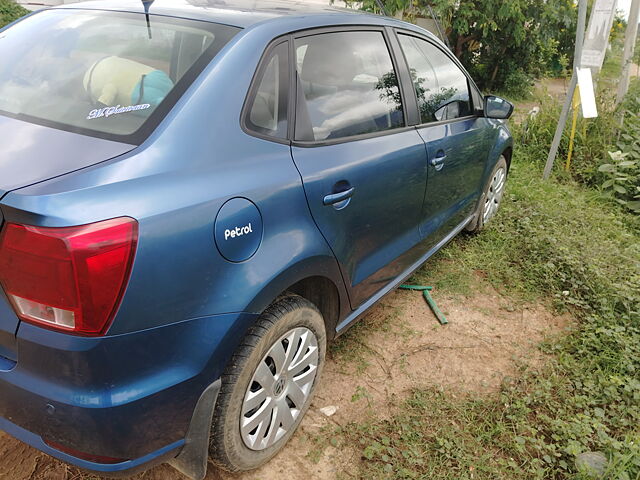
x: 192, y: 460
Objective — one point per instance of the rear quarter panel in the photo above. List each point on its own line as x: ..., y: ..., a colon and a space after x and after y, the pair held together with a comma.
x: 174, y: 185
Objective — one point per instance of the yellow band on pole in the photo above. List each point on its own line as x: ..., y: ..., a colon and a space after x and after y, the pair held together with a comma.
x: 575, y: 105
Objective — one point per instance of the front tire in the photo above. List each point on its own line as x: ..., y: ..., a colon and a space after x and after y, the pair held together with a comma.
x: 268, y: 385
x: 491, y: 197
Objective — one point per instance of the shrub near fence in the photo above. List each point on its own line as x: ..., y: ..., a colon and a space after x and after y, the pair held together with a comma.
x: 606, y: 155
x: 10, y: 11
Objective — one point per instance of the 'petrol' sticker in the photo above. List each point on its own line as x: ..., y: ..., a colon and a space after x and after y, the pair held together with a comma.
x: 238, y: 229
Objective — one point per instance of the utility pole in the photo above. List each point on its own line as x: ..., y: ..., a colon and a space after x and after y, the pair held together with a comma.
x: 582, y: 20
x: 629, y: 45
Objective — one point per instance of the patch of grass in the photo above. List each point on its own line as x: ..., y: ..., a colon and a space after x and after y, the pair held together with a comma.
x: 520, y: 94
x: 593, y: 139
x: 615, y: 176
x: 612, y: 67
x: 351, y: 348
x: 329, y: 435
x: 551, y: 240
x: 559, y: 243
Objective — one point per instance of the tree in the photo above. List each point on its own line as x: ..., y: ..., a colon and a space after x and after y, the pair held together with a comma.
x: 636, y: 55
x: 503, y: 44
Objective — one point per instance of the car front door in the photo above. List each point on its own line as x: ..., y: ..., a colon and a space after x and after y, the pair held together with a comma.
x: 455, y: 134
x: 364, y: 171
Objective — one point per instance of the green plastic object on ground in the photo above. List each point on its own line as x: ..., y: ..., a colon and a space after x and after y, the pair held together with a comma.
x: 430, y: 301
x: 415, y: 287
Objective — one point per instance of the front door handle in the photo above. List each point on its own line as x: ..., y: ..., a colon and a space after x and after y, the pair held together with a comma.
x: 438, y: 161
x: 334, y: 198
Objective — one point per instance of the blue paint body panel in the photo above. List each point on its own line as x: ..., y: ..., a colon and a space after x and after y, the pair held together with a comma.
x: 192, y: 296
x: 374, y: 234
x: 99, y: 386
x: 455, y: 188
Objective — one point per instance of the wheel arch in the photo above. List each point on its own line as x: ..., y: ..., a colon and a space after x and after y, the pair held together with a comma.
x: 316, y: 279
x: 502, y: 144
x: 508, y: 154
x: 324, y: 294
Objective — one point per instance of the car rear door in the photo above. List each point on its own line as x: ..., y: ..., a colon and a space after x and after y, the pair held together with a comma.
x: 454, y: 132
x: 364, y: 170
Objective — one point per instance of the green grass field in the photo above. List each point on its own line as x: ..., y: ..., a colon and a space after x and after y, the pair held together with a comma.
x: 558, y: 244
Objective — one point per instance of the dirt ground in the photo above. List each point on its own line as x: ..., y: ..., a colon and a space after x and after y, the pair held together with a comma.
x: 555, y: 87
x: 398, y: 346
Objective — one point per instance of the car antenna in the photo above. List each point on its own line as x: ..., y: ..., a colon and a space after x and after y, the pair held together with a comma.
x: 146, y: 4
x: 443, y: 37
x: 381, y: 7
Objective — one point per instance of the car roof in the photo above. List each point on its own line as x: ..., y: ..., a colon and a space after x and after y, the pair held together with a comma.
x: 240, y: 13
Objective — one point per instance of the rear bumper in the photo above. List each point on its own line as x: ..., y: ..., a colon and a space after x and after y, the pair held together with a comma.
x: 129, y: 397
x: 128, y: 467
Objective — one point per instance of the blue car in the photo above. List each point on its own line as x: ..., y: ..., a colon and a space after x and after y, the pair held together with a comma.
x: 196, y: 198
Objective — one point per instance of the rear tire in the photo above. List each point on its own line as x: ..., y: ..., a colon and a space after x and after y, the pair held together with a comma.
x: 268, y: 385
x: 491, y: 197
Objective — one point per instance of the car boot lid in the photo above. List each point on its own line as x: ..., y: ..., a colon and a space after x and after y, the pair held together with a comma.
x: 33, y: 153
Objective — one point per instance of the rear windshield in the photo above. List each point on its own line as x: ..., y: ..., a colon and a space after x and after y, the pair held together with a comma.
x: 111, y: 75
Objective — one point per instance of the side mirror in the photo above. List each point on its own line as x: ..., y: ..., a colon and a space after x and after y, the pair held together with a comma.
x: 496, y: 107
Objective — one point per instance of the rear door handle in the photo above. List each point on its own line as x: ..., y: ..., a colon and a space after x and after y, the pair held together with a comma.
x: 334, y: 198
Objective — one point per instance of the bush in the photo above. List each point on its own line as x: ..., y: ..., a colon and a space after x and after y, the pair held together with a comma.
x: 623, y: 184
x: 10, y: 11
x: 622, y: 173
x: 498, y: 41
x: 518, y: 84
x: 594, y: 138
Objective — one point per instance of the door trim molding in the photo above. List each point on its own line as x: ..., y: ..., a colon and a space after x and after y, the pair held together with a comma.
x: 349, y: 320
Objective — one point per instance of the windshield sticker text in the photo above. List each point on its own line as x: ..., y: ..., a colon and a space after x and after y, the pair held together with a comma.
x: 108, y: 111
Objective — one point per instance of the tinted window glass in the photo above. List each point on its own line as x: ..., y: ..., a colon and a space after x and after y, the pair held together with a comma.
x: 347, y: 86
x: 268, y: 111
x: 441, y: 87
x: 107, y: 74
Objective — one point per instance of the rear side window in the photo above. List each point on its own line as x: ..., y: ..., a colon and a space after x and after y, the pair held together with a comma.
x: 441, y: 87
x: 347, y: 86
x: 267, y: 112
x: 100, y: 73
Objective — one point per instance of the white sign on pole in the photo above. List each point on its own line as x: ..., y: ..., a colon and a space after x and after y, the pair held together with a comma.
x: 587, y: 95
x: 597, y: 37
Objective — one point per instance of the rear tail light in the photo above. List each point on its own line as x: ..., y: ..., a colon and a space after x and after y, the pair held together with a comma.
x: 69, y: 279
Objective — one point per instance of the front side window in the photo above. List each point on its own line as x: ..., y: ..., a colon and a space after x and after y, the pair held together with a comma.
x: 268, y: 106
x: 347, y: 86
x: 107, y: 74
x: 441, y: 87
